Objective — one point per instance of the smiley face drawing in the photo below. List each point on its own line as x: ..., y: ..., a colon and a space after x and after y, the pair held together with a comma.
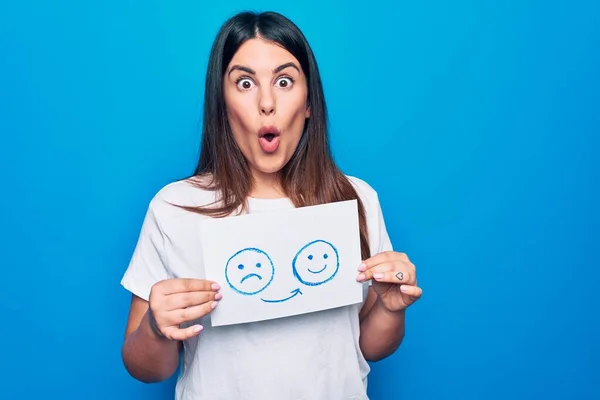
x: 249, y: 271
x: 316, y: 263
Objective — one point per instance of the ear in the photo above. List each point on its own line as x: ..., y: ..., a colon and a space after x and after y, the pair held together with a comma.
x: 307, y: 112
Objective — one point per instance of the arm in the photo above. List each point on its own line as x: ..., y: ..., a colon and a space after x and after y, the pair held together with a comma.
x: 147, y: 356
x: 154, y: 330
x: 393, y: 289
x: 381, y: 330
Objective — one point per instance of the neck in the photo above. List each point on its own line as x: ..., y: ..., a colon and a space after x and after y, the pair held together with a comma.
x: 266, y: 186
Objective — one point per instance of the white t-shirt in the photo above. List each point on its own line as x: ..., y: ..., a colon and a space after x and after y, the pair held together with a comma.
x: 314, y: 356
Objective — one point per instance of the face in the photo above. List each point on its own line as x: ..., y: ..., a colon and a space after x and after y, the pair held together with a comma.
x: 316, y: 263
x: 249, y: 271
x: 266, y: 98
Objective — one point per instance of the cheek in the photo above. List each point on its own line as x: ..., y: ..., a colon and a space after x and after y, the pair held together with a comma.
x: 295, y: 111
x: 300, y: 106
x: 239, y: 112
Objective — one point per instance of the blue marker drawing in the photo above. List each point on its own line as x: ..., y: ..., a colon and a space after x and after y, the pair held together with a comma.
x: 249, y: 271
x: 316, y: 262
x: 293, y: 294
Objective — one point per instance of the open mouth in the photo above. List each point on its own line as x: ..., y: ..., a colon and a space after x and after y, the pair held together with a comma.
x: 268, y: 133
x: 268, y: 137
x: 316, y: 272
x: 250, y: 276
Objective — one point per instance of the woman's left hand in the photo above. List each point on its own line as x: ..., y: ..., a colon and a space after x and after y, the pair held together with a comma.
x: 394, y: 279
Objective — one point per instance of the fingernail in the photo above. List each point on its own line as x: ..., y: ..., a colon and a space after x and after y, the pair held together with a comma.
x: 198, y: 328
x: 218, y: 296
x: 214, y: 304
x: 362, y: 267
x: 215, y: 286
x: 404, y: 288
x: 378, y: 275
x: 360, y: 277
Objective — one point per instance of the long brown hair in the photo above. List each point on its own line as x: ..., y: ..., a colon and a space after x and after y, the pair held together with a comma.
x: 311, y: 177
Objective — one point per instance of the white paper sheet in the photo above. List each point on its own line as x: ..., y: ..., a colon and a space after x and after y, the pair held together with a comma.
x: 283, y: 263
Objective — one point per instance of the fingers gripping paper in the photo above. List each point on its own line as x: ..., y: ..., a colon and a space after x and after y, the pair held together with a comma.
x: 283, y: 263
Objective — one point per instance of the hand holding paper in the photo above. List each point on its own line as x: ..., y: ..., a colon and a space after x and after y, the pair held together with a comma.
x: 173, y: 302
x: 394, y: 279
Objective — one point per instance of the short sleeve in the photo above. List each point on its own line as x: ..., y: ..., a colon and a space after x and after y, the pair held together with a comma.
x: 147, y: 265
x: 379, y: 240
x: 383, y: 242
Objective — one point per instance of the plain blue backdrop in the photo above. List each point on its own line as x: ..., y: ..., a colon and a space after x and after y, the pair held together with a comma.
x: 477, y: 122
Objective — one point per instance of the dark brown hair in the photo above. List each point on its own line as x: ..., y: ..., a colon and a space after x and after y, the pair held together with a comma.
x: 311, y: 177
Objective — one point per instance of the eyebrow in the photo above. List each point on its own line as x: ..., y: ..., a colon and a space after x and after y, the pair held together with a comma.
x: 252, y: 72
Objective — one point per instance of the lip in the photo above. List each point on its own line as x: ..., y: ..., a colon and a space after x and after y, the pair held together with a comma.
x: 269, y: 146
x: 268, y: 129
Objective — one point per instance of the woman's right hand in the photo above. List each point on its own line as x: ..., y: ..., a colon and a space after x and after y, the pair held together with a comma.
x: 174, y: 302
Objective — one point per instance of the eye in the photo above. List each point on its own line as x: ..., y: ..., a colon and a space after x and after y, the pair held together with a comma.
x: 310, y: 257
x: 325, y: 256
x: 285, y: 82
x: 241, y: 266
x: 244, y: 83
x: 257, y: 265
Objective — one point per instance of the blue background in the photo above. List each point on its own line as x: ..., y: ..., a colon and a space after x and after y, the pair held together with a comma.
x: 477, y: 123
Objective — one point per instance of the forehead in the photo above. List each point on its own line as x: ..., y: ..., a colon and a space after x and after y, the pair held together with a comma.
x: 262, y: 54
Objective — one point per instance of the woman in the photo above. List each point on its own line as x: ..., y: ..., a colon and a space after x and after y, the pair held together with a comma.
x: 264, y: 147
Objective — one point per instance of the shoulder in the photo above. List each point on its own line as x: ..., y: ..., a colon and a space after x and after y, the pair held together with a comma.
x: 170, y: 200
x: 365, y: 191
x: 379, y: 239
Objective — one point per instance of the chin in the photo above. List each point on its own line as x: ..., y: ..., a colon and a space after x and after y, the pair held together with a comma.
x: 269, y: 165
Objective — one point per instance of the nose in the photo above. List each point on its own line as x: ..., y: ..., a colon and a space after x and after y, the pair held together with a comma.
x: 266, y: 102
